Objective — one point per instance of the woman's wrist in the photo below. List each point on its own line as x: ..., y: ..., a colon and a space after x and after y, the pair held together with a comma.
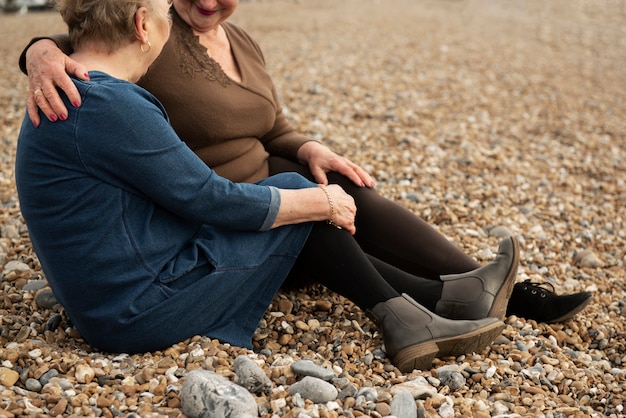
x: 331, y: 204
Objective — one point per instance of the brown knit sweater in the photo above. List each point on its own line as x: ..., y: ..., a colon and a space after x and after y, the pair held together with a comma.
x: 231, y: 126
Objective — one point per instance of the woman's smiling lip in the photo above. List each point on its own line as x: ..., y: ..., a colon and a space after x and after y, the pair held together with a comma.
x: 205, y: 12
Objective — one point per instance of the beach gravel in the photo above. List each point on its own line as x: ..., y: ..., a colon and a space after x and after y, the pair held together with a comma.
x: 484, y: 117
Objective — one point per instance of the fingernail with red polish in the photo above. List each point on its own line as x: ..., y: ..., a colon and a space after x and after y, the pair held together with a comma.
x: 62, y: 116
x: 53, y: 118
x: 86, y: 75
x: 76, y: 104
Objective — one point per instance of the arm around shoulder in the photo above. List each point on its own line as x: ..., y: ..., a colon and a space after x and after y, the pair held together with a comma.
x: 48, y: 68
x: 62, y: 42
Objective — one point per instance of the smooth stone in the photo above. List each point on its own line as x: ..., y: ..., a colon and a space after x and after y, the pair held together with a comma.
x: 314, y: 389
x: 251, y: 376
x: 588, y: 258
x: 47, y: 376
x: 206, y: 394
x: 418, y: 390
x: 500, y: 232
x: 451, y: 377
x: 45, y: 299
x: 403, y: 406
x: 370, y: 394
x: 349, y: 391
x: 53, y: 322
x: 8, y: 377
x: 33, y: 385
x: 35, y: 285
x: 84, y: 373
x: 309, y: 368
x: 446, y: 410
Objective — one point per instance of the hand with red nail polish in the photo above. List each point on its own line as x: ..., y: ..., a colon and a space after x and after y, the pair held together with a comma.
x: 49, y: 69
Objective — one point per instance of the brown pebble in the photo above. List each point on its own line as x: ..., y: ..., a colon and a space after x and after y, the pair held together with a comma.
x: 323, y: 305
x: 383, y: 409
x: 8, y: 377
x: 285, y: 306
x: 103, y: 402
x: 349, y: 402
x: 59, y: 408
x: 284, y: 339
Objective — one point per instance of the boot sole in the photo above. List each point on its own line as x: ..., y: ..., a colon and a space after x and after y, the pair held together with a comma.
x: 421, y: 356
x: 501, y: 299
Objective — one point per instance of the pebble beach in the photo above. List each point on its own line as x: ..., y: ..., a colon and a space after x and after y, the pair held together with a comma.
x: 484, y: 117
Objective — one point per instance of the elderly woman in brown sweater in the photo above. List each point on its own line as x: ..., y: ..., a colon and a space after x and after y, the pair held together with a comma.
x: 212, y: 79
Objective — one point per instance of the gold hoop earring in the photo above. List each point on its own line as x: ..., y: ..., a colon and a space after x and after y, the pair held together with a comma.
x: 147, y: 50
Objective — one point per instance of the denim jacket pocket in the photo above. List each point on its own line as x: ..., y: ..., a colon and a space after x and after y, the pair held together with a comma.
x: 167, y: 286
x: 191, y: 260
x: 181, y: 281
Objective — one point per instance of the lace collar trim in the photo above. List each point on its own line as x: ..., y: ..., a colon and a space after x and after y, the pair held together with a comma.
x: 192, y: 56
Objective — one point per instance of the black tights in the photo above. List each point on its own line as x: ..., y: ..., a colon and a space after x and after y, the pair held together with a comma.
x: 334, y: 259
x: 391, y: 232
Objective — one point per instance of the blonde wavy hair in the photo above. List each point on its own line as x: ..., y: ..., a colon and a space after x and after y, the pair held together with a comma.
x: 103, y: 24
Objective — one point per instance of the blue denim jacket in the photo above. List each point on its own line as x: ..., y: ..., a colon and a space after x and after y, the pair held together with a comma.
x: 131, y: 228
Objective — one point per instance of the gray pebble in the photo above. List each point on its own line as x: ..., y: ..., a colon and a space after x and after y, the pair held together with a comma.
x: 414, y: 197
x: 521, y: 346
x: 451, y: 376
x: 379, y: 354
x: 45, y: 378
x: 206, y: 394
x: 500, y: 232
x: 33, y: 385
x: 314, y: 389
x: 53, y: 322
x: 251, y: 376
x: 35, y: 285
x: 297, y: 400
x: 453, y: 379
x: 340, y: 382
x: 403, y: 406
x: 308, y: 368
x: 45, y: 299
x: 370, y: 394
x: 115, y: 411
x: 349, y: 391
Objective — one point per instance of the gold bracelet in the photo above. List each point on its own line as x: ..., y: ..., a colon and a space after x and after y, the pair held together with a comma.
x: 330, y: 221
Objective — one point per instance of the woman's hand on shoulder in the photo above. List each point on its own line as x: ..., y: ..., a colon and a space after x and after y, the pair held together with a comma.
x: 48, y: 68
x: 321, y: 160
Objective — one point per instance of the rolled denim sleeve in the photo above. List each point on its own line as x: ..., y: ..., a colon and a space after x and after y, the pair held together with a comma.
x: 273, y: 209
